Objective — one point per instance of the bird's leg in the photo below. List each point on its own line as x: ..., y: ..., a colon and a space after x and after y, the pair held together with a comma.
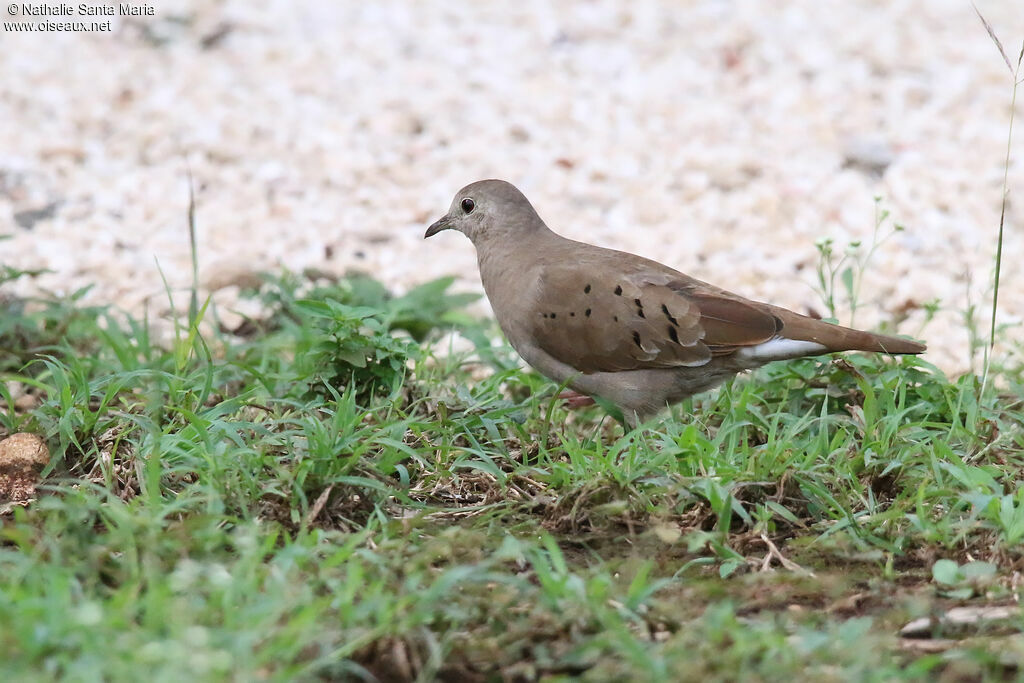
x: 576, y: 399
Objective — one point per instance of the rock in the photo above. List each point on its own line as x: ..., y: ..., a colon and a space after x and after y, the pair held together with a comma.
x: 227, y: 273
x: 868, y: 155
x: 22, y: 458
x: 959, y: 619
x: 29, y: 217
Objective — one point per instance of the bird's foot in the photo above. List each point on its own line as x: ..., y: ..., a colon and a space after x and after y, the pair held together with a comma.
x: 575, y: 399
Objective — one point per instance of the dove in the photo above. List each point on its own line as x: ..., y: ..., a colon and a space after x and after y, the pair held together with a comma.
x: 621, y: 327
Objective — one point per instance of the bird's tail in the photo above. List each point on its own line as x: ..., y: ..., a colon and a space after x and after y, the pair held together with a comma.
x: 838, y: 338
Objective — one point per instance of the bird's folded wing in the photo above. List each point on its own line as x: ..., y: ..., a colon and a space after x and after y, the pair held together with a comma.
x: 605, y: 322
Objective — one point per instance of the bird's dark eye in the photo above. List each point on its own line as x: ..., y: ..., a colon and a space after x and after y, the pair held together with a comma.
x: 468, y: 205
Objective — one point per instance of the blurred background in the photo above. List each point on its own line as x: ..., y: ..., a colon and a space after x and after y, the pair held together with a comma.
x: 723, y: 138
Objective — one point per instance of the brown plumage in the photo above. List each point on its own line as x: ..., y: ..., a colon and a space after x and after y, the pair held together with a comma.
x: 619, y: 326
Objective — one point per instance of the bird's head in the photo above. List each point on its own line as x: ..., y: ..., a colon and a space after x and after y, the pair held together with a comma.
x: 488, y: 210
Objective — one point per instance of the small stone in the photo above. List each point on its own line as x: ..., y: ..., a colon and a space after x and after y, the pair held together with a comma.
x: 22, y: 458
x: 29, y: 217
x: 228, y: 273
x: 961, y: 619
x: 869, y: 156
x: 25, y: 403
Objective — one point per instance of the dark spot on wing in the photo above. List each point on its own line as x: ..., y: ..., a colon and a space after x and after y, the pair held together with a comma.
x: 672, y: 334
x: 668, y: 315
x: 586, y: 290
x: 618, y: 290
x: 636, y: 340
x: 587, y: 312
x: 572, y: 314
x: 639, y: 308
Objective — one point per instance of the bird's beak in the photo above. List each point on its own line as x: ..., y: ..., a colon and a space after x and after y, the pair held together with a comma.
x: 444, y: 223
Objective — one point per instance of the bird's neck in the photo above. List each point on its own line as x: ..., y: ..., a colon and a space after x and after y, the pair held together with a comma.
x: 506, y: 256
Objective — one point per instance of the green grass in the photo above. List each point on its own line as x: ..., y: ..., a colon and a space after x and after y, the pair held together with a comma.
x: 324, y: 499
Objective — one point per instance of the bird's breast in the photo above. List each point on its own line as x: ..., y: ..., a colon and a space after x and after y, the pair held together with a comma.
x: 511, y: 289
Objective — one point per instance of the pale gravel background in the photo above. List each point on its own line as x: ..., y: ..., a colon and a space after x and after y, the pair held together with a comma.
x: 710, y: 135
